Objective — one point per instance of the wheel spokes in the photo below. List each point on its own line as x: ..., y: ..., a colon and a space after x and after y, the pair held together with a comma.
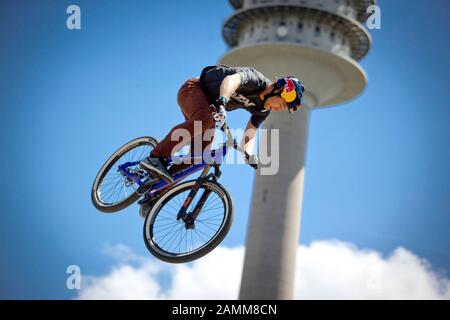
x: 115, y: 187
x: 171, y: 235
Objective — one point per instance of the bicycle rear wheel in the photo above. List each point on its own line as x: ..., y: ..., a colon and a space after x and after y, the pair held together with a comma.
x: 169, y: 240
x: 112, y: 191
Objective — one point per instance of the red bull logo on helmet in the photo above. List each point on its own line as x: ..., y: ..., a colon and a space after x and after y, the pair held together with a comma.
x: 289, y: 93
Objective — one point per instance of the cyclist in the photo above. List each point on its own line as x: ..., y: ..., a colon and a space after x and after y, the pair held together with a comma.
x: 219, y: 89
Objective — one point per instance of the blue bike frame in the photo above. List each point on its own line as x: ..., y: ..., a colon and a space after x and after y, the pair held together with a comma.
x: 216, y: 155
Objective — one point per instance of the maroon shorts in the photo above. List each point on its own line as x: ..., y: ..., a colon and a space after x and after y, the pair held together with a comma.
x: 195, y: 107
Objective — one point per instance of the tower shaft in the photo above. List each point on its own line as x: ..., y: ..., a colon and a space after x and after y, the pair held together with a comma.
x: 274, y: 225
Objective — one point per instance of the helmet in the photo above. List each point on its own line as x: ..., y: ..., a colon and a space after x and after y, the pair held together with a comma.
x: 292, y: 92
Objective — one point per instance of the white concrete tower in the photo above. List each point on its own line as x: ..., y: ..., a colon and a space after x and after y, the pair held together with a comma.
x: 318, y: 41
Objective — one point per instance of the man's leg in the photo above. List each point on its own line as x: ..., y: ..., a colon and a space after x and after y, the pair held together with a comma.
x: 195, y: 107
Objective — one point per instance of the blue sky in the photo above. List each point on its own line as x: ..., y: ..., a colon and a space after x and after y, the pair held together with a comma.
x: 377, y: 168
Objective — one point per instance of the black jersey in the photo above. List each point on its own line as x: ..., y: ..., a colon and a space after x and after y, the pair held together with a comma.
x: 245, y: 97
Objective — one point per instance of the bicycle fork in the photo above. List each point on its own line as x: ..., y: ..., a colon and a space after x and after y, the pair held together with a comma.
x: 189, y: 218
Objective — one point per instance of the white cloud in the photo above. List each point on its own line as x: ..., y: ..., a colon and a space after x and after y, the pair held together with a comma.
x: 325, y: 270
x: 338, y: 270
x: 215, y: 276
x: 123, y: 282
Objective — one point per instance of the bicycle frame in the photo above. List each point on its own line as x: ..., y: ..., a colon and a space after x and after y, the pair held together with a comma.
x: 217, y: 155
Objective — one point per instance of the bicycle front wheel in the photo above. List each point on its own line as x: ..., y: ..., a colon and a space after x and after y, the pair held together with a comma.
x: 169, y: 240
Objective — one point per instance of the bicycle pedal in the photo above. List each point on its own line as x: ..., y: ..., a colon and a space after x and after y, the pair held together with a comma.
x: 144, y: 210
x: 148, y: 199
x: 144, y: 187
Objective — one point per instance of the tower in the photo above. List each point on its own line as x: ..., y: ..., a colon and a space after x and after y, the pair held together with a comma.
x: 320, y: 42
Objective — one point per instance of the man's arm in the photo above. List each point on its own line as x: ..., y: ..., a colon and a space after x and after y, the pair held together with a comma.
x: 229, y: 85
x: 248, y: 140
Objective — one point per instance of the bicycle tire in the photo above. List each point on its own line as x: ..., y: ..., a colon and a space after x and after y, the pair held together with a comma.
x: 95, y: 198
x: 207, y: 247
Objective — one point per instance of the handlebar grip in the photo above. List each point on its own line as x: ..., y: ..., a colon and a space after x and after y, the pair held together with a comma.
x: 252, y: 161
x: 254, y: 166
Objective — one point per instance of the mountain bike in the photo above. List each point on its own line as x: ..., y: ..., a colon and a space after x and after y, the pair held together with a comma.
x: 184, y: 220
